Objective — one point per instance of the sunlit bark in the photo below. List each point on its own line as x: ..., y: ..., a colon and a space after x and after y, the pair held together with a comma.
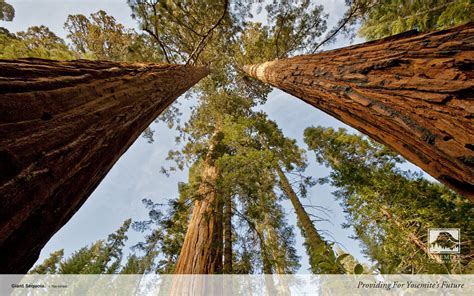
x: 412, y: 92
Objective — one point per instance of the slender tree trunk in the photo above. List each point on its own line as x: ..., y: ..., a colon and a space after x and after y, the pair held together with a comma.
x: 411, y: 92
x: 62, y: 127
x: 201, y: 252
x: 228, y: 235
x: 313, y: 240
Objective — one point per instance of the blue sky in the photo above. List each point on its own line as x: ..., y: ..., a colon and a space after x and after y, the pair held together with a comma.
x: 137, y: 174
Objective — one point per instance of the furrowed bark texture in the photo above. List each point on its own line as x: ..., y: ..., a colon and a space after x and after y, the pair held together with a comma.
x: 62, y: 127
x: 411, y: 92
x: 202, y: 252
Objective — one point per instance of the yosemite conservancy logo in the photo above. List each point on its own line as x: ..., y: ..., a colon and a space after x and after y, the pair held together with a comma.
x: 444, y: 240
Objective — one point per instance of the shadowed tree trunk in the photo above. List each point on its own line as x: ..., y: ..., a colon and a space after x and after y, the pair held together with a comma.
x: 412, y: 92
x: 228, y: 235
x: 62, y: 127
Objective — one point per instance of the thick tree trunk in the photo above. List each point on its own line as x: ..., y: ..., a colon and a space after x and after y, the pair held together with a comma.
x: 228, y: 235
x: 62, y: 127
x: 202, y: 252
x: 412, y: 92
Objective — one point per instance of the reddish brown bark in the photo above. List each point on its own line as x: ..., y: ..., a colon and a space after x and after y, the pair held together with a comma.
x: 201, y: 252
x: 62, y: 127
x: 411, y: 92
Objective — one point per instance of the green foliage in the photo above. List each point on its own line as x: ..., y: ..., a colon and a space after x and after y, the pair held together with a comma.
x: 183, y: 35
x: 323, y: 259
x: 350, y: 264
x: 101, y: 37
x: 295, y: 27
x: 244, y: 145
x: 276, y: 237
x: 271, y: 151
x: 37, y: 42
x: 7, y: 12
x: 246, y: 173
x: 163, y: 233
x: 358, y: 269
x: 250, y: 147
x: 103, y: 256
x: 49, y: 265
x: 389, y: 17
x: 179, y: 29
x: 390, y: 210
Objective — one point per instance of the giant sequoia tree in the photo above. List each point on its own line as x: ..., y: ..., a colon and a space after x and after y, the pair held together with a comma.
x: 411, y: 92
x: 62, y: 127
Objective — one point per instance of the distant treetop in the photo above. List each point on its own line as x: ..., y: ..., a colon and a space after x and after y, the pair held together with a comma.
x: 7, y: 12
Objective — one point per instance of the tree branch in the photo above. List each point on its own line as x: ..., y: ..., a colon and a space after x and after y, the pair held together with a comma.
x: 352, y: 13
x: 162, y: 46
x: 335, y: 32
x: 197, y: 50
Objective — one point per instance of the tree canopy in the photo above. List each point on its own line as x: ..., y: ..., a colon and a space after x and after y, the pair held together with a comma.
x: 37, y: 41
x: 389, y: 17
x: 390, y: 210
